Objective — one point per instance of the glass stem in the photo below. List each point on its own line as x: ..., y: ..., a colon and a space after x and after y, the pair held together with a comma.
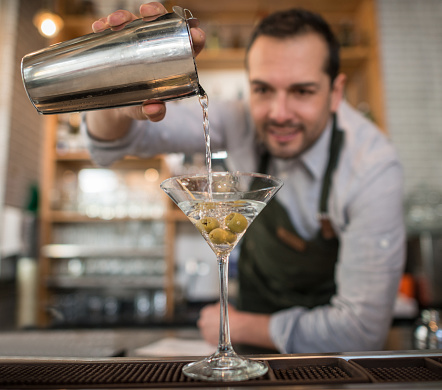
x: 224, y: 345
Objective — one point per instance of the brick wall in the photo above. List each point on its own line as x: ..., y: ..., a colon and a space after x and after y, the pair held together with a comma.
x: 411, y: 46
x: 26, y: 129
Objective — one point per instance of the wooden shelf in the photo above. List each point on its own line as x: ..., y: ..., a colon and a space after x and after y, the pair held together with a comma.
x: 57, y: 216
x: 75, y: 26
x: 221, y: 59
x: 99, y: 282
x: 67, y: 251
x: 82, y: 155
x: 351, y: 57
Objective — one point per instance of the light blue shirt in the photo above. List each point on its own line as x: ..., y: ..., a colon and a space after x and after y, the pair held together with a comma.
x: 365, y: 207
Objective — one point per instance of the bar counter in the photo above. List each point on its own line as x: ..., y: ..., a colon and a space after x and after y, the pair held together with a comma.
x: 110, y: 359
x: 103, y: 342
x: 369, y: 371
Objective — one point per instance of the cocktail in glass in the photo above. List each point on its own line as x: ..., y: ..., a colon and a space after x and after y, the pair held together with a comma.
x: 222, y: 205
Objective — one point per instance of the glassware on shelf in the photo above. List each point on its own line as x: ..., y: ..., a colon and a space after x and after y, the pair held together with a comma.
x: 427, y: 331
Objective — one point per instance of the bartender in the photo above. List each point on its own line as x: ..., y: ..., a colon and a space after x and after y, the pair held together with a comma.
x: 319, y: 268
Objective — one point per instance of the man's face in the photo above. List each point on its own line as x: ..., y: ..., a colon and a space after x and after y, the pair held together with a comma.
x: 291, y: 97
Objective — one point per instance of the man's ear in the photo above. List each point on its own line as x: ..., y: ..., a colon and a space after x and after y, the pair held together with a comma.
x: 337, y: 93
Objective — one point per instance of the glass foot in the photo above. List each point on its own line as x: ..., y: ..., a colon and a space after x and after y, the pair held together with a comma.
x: 225, y: 368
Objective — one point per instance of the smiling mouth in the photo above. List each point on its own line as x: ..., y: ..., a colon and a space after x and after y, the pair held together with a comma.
x: 284, y: 134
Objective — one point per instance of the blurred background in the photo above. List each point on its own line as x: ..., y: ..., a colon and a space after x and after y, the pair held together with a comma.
x: 82, y: 246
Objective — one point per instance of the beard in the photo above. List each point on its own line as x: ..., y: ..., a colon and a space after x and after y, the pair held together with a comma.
x: 278, y: 139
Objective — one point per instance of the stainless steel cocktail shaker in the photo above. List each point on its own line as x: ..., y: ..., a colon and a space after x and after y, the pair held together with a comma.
x: 145, y: 60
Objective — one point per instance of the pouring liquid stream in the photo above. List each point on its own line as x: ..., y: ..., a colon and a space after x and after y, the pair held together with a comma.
x: 204, y: 102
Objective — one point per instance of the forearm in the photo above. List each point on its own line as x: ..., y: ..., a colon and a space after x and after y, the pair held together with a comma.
x: 245, y: 328
x: 107, y: 125
x: 252, y: 329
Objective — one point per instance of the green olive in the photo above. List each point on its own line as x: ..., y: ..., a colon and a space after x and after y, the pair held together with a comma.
x: 236, y: 222
x: 220, y: 236
x: 230, y: 236
x: 207, y: 224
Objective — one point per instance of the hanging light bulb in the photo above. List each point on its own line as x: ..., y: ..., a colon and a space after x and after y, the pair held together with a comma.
x: 48, y: 23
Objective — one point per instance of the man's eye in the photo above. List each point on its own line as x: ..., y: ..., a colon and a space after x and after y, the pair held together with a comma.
x: 304, y: 91
x: 260, y: 90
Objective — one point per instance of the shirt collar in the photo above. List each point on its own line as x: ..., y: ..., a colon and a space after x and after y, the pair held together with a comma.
x: 316, y: 157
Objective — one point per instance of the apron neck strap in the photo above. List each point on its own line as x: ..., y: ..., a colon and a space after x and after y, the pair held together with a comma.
x: 335, y: 149
x: 336, y: 141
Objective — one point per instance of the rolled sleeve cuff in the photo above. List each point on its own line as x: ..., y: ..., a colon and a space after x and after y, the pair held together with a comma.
x: 282, y: 328
x: 104, y: 153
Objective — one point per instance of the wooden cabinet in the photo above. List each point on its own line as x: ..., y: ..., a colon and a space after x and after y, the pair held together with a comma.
x: 107, y: 238
x: 99, y: 256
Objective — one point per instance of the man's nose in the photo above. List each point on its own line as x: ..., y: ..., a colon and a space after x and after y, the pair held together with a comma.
x: 279, y: 110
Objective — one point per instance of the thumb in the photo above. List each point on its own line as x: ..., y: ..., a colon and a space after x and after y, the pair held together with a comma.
x: 154, y: 111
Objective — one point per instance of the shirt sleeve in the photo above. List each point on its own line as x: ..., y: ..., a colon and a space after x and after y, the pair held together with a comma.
x: 181, y: 131
x: 370, y: 264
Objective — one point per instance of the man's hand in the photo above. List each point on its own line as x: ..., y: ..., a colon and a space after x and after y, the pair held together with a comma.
x: 118, y: 19
x: 245, y: 328
x: 113, y: 124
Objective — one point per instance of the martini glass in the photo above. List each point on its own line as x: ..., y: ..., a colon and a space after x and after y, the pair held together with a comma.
x: 222, y: 205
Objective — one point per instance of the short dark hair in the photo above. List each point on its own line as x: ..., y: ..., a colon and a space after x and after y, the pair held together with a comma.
x: 295, y: 22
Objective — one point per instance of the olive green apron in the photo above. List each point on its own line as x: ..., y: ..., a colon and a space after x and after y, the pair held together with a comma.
x: 278, y: 269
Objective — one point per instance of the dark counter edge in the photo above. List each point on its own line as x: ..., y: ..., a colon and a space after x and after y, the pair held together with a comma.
x: 346, y: 356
